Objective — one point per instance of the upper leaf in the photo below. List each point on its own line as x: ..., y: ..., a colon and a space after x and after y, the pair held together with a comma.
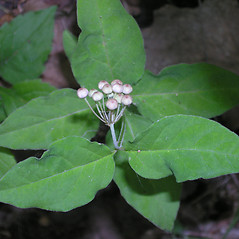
x: 69, y: 43
x: 189, y: 147
x: 67, y: 176
x: 7, y: 161
x: 110, y: 45
x: 46, y: 119
x: 157, y: 200
x: 197, y: 89
x: 23, y: 92
x: 25, y: 45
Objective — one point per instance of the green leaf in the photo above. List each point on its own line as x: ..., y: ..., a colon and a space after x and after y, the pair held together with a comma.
x: 7, y: 161
x: 135, y: 124
x: 46, y: 119
x: 198, y: 89
x: 23, y: 92
x: 69, y: 43
x: 110, y: 45
x: 3, y: 114
x: 189, y: 147
x: 67, y: 176
x: 25, y: 45
x: 157, y: 200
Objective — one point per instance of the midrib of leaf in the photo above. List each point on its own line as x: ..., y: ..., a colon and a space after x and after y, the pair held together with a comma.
x: 183, y: 92
x: 23, y: 45
x: 197, y: 150
x: 48, y: 120
x: 104, y: 42
x: 54, y: 175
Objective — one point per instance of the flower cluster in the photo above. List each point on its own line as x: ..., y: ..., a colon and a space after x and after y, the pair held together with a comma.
x: 110, y: 100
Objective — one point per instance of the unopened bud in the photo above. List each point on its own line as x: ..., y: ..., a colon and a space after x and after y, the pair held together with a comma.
x: 101, y: 84
x: 112, y: 104
x: 82, y: 92
x: 116, y: 82
x: 118, y: 97
x: 127, y: 89
x: 117, y: 88
x: 91, y: 92
x: 127, y: 99
x: 97, y: 96
x: 107, y: 89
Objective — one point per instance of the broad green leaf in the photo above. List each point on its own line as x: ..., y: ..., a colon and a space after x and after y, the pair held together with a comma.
x: 7, y: 161
x: 110, y: 45
x: 157, y: 200
x: 69, y: 43
x: 198, y: 89
x: 189, y: 147
x: 46, y: 119
x: 67, y: 176
x: 23, y: 92
x: 25, y: 45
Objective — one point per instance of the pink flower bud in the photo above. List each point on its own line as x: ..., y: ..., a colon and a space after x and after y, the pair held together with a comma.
x: 127, y: 89
x: 91, y: 92
x: 127, y: 99
x: 116, y: 82
x: 107, y: 89
x: 118, y: 97
x: 117, y: 88
x: 97, y: 96
x: 112, y: 104
x: 101, y: 84
x: 82, y: 92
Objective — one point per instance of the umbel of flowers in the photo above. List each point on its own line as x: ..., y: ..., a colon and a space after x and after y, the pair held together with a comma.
x: 111, y: 101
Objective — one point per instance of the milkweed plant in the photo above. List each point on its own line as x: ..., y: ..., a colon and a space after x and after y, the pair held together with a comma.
x: 160, y: 129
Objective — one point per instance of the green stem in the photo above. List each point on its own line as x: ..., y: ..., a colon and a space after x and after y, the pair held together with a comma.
x: 112, y: 129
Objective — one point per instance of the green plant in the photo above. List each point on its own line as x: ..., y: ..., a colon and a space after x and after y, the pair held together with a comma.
x: 167, y: 136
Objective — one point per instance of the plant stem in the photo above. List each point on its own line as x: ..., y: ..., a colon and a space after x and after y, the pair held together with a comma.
x: 112, y: 129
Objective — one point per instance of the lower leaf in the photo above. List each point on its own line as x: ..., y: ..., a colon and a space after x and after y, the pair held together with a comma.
x: 156, y: 200
x: 189, y: 147
x: 67, y: 176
